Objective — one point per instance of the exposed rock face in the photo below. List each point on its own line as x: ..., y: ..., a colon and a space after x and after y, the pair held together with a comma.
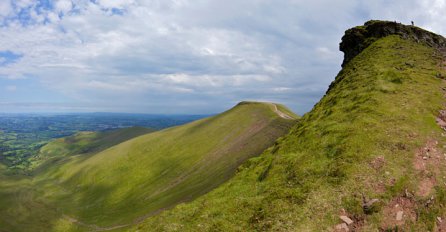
x: 357, y: 39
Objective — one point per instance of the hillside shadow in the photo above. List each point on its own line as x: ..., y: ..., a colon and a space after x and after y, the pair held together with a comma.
x: 22, y: 209
x: 91, y: 207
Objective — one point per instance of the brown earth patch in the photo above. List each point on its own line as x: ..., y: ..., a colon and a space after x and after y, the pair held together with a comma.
x: 428, y: 162
x: 441, y: 119
x: 392, y: 210
x: 378, y: 162
x: 425, y: 187
x: 441, y: 224
x: 380, y: 187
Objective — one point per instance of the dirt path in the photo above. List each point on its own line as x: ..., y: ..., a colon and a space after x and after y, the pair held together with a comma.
x: 280, y: 113
x: 95, y: 227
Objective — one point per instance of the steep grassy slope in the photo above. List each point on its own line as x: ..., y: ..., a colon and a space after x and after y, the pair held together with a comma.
x: 19, y: 210
x: 140, y: 177
x: 85, y: 143
x: 21, y: 207
x: 372, y: 136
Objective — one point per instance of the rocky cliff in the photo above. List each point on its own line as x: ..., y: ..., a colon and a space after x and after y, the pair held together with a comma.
x: 359, y: 38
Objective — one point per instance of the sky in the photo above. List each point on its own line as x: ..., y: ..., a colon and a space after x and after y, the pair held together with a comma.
x: 181, y: 56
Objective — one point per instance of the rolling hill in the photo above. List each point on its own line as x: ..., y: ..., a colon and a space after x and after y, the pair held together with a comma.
x: 21, y: 207
x: 85, y: 142
x: 368, y: 157
x: 88, y: 187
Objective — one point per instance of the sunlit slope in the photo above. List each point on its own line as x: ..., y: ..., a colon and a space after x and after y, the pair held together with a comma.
x: 362, y: 141
x: 85, y: 143
x: 142, y: 176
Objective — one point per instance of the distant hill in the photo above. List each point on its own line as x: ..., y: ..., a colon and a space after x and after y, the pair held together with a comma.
x: 86, y: 143
x: 21, y: 206
x: 370, y: 156
x: 22, y: 135
x: 88, y: 187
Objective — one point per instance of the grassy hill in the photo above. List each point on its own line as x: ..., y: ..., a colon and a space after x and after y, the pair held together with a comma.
x: 22, y: 207
x: 84, y: 143
x: 124, y: 184
x: 371, y: 150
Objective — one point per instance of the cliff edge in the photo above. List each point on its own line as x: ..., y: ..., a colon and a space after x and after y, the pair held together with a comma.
x: 359, y: 38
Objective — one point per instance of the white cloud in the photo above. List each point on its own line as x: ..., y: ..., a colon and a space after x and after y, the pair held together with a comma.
x: 63, y: 6
x: 209, y: 54
x: 119, y: 4
x: 282, y: 89
x: 23, y: 4
x: 5, y: 8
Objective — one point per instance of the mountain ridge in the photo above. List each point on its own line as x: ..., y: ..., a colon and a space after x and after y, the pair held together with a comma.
x: 357, y: 147
x: 369, y: 156
x: 123, y: 184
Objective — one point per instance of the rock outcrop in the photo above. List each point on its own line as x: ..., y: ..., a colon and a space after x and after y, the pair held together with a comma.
x: 359, y: 38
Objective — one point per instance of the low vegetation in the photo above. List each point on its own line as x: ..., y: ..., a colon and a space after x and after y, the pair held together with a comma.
x: 361, y: 142
x: 85, y: 142
x: 84, y: 186
x: 370, y: 156
x: 22, y: 135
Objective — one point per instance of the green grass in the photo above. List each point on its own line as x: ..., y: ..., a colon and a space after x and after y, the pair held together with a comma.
x: 383, y: 104
x: 378, y: 106
x: 19, y: 209
x: 101, y: 188
x: 22, y: 207
x: 84, y: 143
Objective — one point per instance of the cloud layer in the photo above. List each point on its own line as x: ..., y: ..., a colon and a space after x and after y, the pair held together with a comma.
x: 180, y: 56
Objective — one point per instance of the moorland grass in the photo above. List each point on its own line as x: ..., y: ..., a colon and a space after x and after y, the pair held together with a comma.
x: 85, y: 142
x: 382, y: 104
x: 142, y: 176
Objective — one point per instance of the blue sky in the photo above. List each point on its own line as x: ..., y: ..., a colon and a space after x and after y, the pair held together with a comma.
x: 180, y: 56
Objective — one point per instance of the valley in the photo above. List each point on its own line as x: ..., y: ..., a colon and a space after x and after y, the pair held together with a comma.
x: 22, y: 135
x: 99, y: 181
x: 365, y: 158
x: 369, y: 156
